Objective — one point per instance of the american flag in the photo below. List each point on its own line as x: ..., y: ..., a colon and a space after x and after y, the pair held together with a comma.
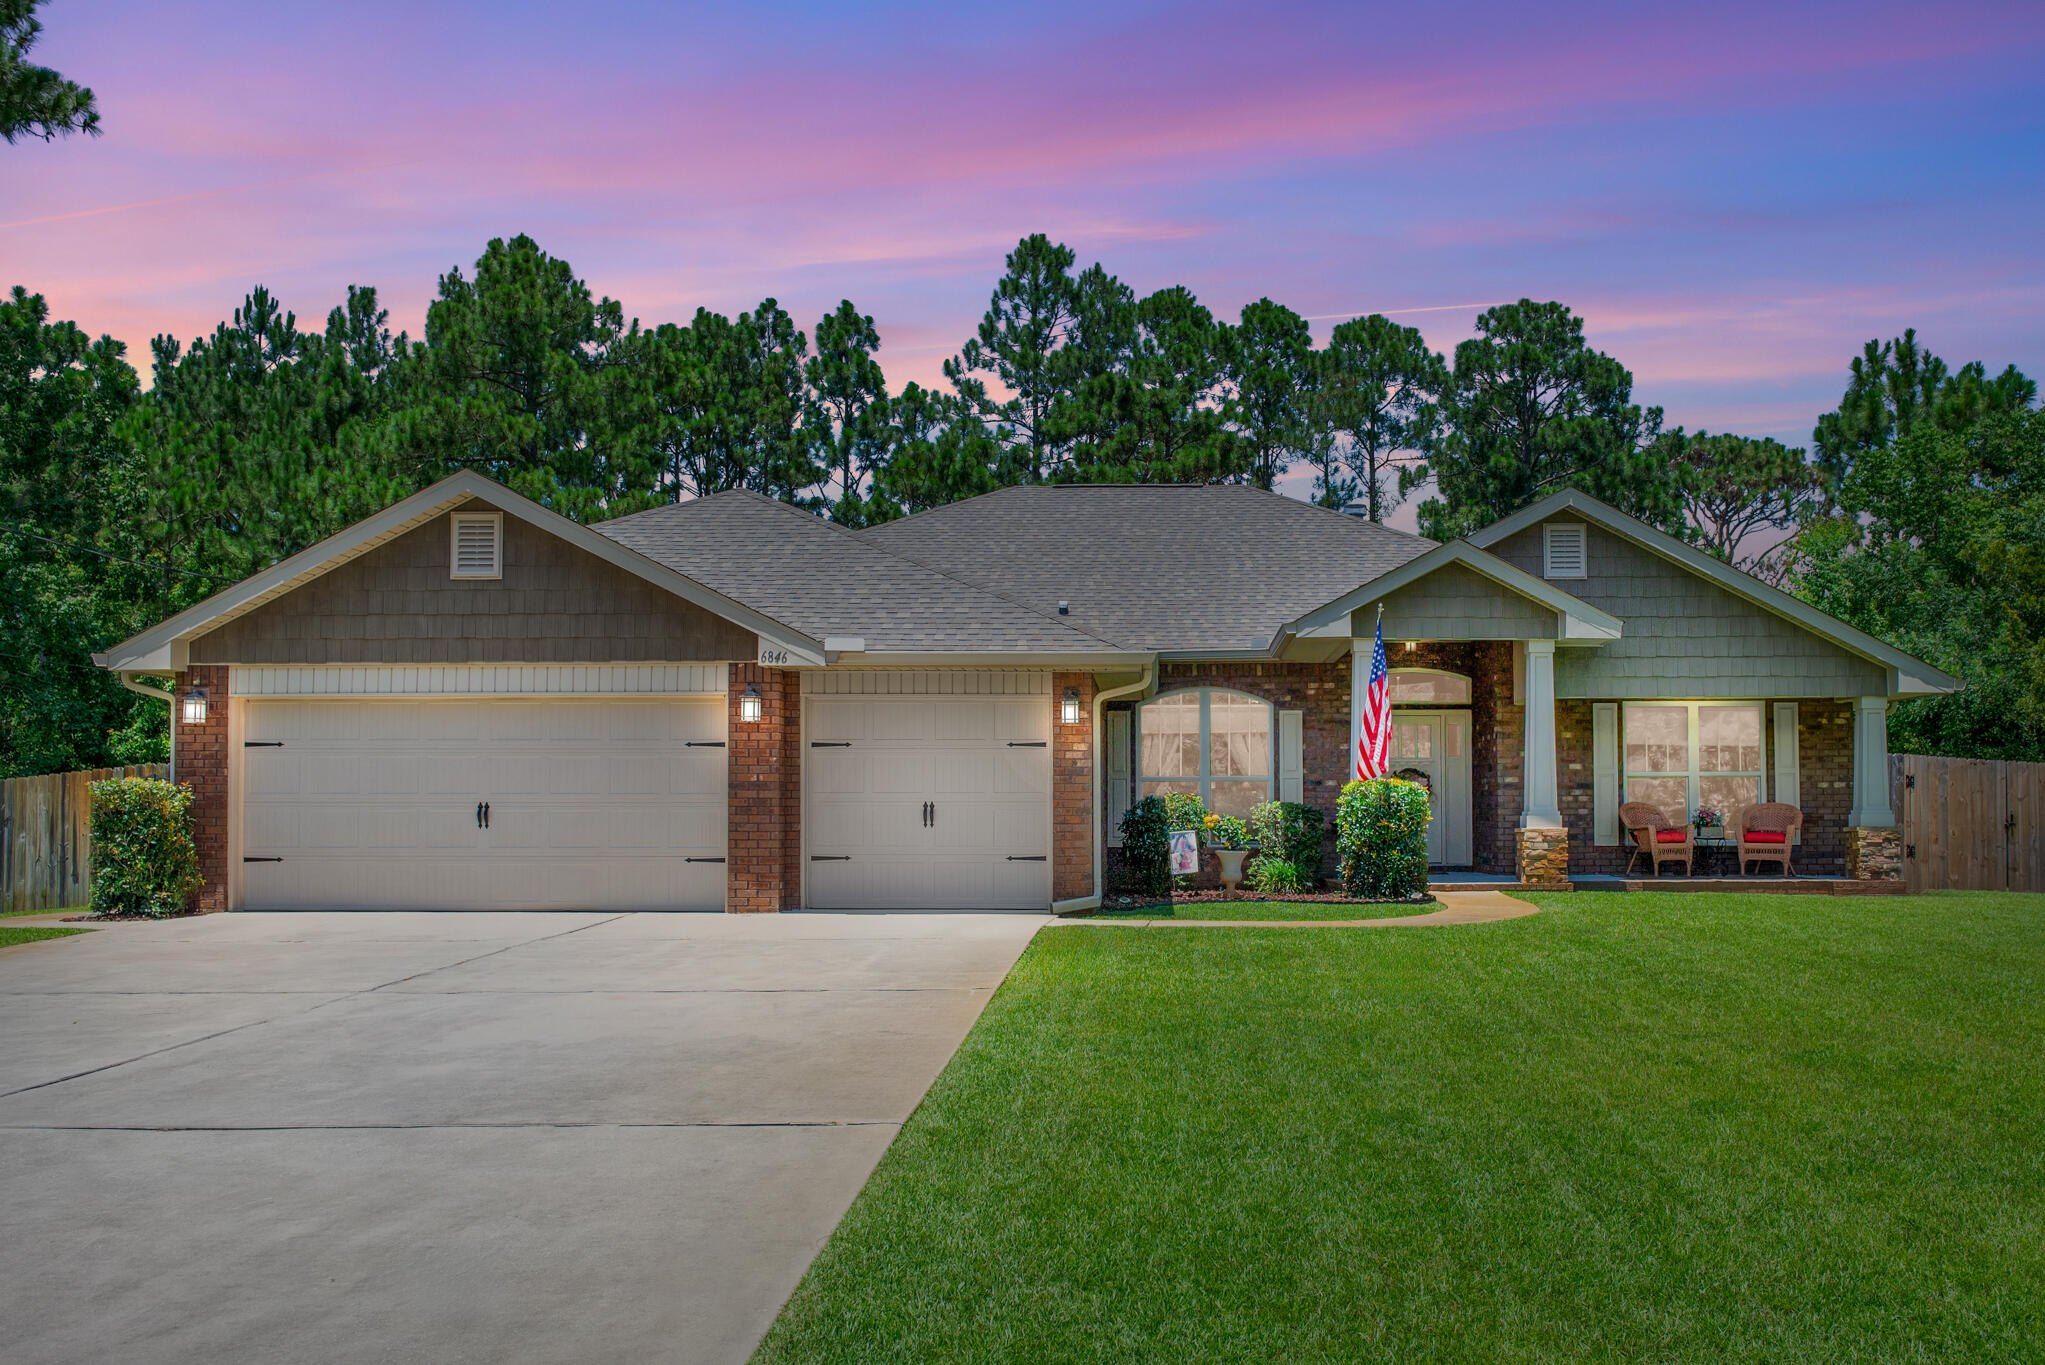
x: 1374, y: 742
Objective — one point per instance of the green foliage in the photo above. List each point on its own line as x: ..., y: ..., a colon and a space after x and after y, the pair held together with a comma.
x: 1224, y: 831
x: 144, y: 859
x: 1531, y: 409
x: 1734, y: 486
x: 1185, y: 811
x: 34, y: 100
x: 1276, y: 876
x: 1146, y: 846
x: 1289, y: 830
x: 1379, y: 383
x: 1895, y: 387
x: 1274, y: 380
x: 1381, y: 837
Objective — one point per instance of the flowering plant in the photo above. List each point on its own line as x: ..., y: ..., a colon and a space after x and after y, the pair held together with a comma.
x: 1707, y: 815
x: 1224, y: 831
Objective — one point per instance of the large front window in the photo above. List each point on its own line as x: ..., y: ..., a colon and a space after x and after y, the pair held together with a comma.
x: 1211, y: 744
x: 1683, y: 755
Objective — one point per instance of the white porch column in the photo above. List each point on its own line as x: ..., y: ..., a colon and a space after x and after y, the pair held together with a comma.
x: 1360, y: 653
x: 1870, y: 765
x: 1541, y: 809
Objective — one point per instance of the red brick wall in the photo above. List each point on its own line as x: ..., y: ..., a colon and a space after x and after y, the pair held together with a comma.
x: 201, y: 754
x: 1824, y: 788
x: 1072, y: 782
x: 763, y: 871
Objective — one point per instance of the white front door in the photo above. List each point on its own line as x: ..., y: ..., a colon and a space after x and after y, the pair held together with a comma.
x: 927, y: 802
x: 557, y: 803
x: 1434, y: 746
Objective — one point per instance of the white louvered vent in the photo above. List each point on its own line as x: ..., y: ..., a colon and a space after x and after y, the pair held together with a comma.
x: 1562, y: 551
x: 478, y: 545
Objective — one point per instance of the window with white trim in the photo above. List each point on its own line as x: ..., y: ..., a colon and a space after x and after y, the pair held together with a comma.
x: 475, y: 545
x: 1208, y: 743
x: 1563, y: 550
x: 1682, y: 755
x: 1429, y: 687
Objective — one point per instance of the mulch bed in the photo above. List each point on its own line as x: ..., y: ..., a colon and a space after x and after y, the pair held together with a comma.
x: 116, y: 919
x: 1130, y: 901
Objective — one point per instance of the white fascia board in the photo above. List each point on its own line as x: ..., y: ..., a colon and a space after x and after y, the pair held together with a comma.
x: 1076, y: 662
x: 162, y: 646
x: 1577, y: 620
x: 1908, y: 676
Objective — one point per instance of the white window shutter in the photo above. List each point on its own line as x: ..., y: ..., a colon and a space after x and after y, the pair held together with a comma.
x: 1787, y: 783
x: 1605, y: 773
x: 1115, y: 764
x: 476, y: 548
x: 1291, y: 756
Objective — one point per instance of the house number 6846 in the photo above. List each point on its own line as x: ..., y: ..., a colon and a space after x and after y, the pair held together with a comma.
x: 773, y: 656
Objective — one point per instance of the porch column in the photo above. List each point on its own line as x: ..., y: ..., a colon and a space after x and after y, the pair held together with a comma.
x: 1540, y: 809
x: 1360, y: 653
x: 1871, y: 765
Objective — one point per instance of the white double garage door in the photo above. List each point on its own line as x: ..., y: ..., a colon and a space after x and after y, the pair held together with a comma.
x: 619, y: 803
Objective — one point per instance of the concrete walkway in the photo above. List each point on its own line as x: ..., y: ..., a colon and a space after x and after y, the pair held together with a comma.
x: 1457, y: 907
x: 485, y: 1137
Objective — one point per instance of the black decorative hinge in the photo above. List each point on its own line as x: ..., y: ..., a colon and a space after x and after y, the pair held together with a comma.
x: 1028, y: 743
x: 830, y: 744
x: 704, y: 744
x: 702, y: 860
x: 1026, y: 857
x: 830, y: 857
x: 1910, y: 780
x: 1910, y: 850
x: 262, y: 860
x: 262, y: 744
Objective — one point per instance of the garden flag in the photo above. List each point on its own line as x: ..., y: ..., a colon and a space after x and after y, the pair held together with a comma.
x: 1374, y: 737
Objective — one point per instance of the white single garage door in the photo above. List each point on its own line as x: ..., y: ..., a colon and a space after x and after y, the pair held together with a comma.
x: 928, y: 802
x: 582, y: 803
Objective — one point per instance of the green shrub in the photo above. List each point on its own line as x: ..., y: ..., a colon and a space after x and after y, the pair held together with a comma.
x: 144, y: 860
x: 1224, y: 831
x: 1381, y: 837
x: 1291, y: 831
x: 1147, y: 847
x: 1274, y: 876
x: 1184, y: 811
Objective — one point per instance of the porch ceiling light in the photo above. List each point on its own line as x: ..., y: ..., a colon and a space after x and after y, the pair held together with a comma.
x: 1068, y: 708
x: 749, y: 705
x: 192, y: 707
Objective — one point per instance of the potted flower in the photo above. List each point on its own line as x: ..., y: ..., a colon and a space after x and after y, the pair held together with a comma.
x: 1230, y: 840
x: 1708, y: 822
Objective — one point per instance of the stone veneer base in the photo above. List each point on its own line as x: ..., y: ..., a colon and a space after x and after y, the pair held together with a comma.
x: 1544, y: 858
x: 1874, y: 855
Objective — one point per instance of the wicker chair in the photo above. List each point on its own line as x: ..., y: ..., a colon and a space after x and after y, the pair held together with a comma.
x: 1765, y: 833
x: 1646, y: 824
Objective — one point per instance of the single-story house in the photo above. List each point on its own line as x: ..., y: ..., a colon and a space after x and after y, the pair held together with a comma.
x: 467, y: 700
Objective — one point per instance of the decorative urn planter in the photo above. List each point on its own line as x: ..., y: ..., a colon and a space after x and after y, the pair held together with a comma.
x: 1231, y: 865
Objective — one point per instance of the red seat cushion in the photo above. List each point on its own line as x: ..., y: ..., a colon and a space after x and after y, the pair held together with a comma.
x: 1669, y: 836
x: 1766, y: 836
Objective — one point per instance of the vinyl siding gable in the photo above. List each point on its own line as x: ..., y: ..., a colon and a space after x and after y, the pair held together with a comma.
x: 1686, y: 636
x: 398, y: 604
x: 1457, y: 603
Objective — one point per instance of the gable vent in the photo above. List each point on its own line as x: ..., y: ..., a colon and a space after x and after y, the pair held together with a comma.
x: 1562, y: 551
x: 478, y: 545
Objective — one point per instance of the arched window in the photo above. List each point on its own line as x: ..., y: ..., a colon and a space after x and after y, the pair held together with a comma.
x: 1208, y: 743
x: 1429, y: 687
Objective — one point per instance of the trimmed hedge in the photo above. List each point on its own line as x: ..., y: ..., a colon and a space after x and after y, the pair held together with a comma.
x: 1147, y: 846
x: 144, y: 859
x: 1381, y: 837
x: 1289, y: 830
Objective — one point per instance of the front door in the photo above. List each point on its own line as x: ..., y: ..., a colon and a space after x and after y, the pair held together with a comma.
x: 1433, y: 749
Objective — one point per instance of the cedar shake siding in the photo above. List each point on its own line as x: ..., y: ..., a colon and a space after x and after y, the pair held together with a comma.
x: 1685, y: 635
x: 1457, y: 603
x: 555, y: 603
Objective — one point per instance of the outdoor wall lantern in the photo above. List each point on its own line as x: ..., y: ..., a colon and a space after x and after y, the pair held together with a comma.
x: 1068, y: 709
x: 748, y: 705
x: 192, y: 706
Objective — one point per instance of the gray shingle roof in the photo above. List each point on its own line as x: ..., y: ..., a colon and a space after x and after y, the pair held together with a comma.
x: 1152, y: 567
x: 824, y: 579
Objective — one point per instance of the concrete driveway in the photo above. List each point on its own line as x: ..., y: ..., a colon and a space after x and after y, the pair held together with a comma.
x: 485, y: 1137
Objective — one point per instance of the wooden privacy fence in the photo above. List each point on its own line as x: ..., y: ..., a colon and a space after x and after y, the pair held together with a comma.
x: 1969, y: 824
x: 45, y: 843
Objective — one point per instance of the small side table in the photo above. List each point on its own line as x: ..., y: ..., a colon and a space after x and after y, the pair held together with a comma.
x: 1710, y: 848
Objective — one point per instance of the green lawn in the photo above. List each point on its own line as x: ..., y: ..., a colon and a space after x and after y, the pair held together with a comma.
x: 72, y: 910
x: 1270, y: 910
x: 11, y: 934
x: 1634, y: 1128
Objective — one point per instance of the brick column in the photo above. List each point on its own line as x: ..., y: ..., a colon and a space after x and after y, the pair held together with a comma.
x: 763, y: 869
x: 1072, y: 790
x: 201, y: 758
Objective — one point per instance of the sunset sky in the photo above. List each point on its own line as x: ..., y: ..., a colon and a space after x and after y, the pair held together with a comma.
x: 1734, y: 196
